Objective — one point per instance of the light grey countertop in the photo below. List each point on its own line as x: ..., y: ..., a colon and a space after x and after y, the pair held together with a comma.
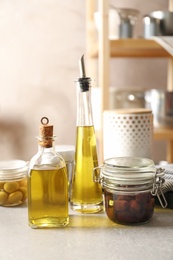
x: 86, y: 237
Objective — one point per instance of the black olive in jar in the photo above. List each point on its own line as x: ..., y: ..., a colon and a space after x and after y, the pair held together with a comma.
x: 129, y: 209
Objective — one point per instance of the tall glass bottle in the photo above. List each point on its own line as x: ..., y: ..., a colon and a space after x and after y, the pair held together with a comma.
x: 86, y: 195
x: 47, y: 183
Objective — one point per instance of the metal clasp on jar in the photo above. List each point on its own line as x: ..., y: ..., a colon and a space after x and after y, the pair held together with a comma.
x: 157, y: 187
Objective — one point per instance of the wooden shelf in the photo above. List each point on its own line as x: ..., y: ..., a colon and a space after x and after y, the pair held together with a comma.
x: 163, y: 134
x: 99, y: 46
x: 136, y: 48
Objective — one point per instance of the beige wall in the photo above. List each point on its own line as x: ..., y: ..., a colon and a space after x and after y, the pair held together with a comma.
x: 41, y: 43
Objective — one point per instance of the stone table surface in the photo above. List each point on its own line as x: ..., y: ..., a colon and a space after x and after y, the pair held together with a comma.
x: 86, y: 237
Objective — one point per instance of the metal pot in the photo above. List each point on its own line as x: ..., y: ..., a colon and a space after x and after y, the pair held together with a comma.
x: 158, y: 23
x: 126, y: 98
x: 122, y: 22
x: 151, y: 26
x: 128, y: 18
x: 159, y: 101
x: 161, y: 104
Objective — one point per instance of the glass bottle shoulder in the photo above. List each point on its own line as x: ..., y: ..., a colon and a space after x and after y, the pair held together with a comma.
x: 48, y: 159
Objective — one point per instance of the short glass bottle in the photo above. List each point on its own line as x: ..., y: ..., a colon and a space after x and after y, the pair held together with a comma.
x: 130, y: 185
x: 47, y: 184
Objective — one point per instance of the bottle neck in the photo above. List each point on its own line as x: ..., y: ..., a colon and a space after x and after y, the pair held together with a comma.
x: 84, y: 107
x: 46, y: 143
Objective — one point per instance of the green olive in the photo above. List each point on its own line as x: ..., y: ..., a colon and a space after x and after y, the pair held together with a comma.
x: 15, y: 197
x: 24, y: 192
x: 3, y: 197
x: 23, y: 182
x: 11, y: 186
x: 1, y: 185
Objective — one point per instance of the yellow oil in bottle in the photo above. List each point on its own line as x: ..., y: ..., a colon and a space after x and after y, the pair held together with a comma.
x: 86, y: 195
x: 48, y: 201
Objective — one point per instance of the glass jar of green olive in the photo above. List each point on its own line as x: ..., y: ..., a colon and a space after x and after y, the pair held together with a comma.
x: 13, y: 182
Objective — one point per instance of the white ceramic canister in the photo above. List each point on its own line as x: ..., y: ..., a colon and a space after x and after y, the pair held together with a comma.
x: 68, y: 153
x: 128, y: 132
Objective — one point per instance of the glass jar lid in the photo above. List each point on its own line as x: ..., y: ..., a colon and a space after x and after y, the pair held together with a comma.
x: 130, y: 175
x: 128, y: 170
x: 10, y: 169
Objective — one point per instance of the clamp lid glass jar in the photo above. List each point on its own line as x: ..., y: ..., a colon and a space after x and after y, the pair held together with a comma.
x: 13, y: 182
x: 129, y: 185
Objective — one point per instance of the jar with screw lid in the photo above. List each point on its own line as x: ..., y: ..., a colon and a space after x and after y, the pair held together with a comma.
x: 129, y: 186
x: 13, y: 182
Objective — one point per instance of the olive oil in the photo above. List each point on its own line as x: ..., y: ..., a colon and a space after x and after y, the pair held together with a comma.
x: 86, y: 195
x: 48, y: 201
x: 47, y: 183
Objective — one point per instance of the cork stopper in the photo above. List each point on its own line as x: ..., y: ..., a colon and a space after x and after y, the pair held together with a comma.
x: 45, y: 133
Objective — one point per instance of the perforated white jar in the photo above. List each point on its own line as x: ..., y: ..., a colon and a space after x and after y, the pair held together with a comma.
x: 128, y: 132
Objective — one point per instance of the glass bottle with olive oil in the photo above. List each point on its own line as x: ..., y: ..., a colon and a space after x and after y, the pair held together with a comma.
x: 47, y: 183
x: 86, y: 195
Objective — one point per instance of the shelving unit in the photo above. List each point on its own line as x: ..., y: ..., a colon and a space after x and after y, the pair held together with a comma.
x: 132, y: 48
x: 103, y: 48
